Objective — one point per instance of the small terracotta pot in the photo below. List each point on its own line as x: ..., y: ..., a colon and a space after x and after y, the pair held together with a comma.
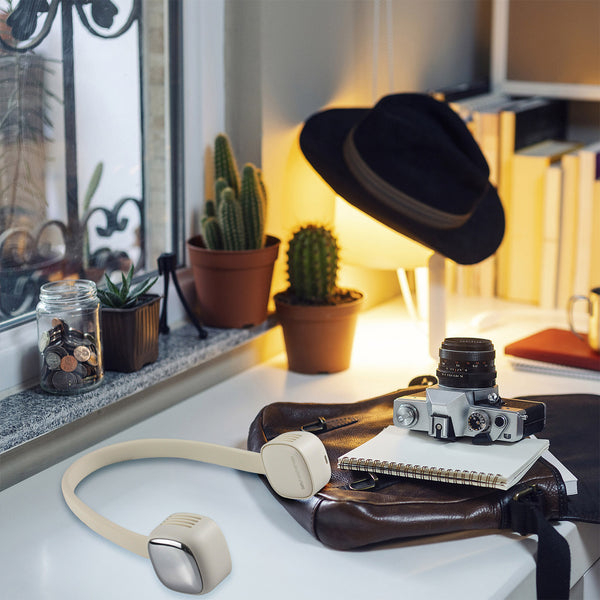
x: 130, y: 335
x: 232, y: 286
x: 318, y: 339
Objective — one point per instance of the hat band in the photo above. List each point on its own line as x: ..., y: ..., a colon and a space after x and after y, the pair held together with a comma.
x: 394, y: 198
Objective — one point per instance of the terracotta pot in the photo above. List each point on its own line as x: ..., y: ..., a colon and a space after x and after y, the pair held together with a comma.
x: 318, y: 339
x: 232, y: 286
x: 130, y: 335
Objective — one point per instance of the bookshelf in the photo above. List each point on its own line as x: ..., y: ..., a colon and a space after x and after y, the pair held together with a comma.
x: 549, y: 50
x: 560, y: 50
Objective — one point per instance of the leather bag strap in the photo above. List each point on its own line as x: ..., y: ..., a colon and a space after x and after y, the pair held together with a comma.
x: 553, y: 571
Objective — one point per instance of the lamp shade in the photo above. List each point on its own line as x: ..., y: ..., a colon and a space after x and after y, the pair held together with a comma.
x: 368, y: 243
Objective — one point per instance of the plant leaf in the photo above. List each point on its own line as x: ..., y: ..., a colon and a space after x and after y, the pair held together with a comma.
x: 93, y: 185
x: 142, y: 287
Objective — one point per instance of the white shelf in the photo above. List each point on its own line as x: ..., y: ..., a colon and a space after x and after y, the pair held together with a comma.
x: 570, y: 91
x: 499, y: 66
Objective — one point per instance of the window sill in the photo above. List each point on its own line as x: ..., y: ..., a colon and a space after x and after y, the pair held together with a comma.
x: 38, y: 429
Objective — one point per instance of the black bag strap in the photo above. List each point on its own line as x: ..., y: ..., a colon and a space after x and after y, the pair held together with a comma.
x: 553, y: 572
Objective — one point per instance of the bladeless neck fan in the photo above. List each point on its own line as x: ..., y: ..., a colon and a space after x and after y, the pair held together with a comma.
x: 188, y: 551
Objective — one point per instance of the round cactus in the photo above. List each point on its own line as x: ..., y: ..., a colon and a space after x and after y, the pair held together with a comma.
x: 313, y: 264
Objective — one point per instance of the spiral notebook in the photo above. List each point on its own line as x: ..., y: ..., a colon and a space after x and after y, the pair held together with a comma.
x: 396, y: 451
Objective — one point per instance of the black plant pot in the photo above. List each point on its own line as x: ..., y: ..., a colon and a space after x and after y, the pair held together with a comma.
x: 130, y: 335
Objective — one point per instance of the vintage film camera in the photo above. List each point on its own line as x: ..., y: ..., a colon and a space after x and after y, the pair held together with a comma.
x: 465, y: 402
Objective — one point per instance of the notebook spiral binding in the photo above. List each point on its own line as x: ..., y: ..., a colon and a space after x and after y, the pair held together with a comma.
x: 420, y: 472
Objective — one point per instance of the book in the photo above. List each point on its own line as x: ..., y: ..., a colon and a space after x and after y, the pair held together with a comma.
x: 550, y: 235
x: 481, y: 114
x: 557, y: 347
x: 595, y: 247
x: 486, y: 130
x: 522, y: 123
x: 414, y: 454
x: 460, y: 91
x: 589, y: 159
x: 466, y: 107
x: 525, y: 222
x: 568, y: 228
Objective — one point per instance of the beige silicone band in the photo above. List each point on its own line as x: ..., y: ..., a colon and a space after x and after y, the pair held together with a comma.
x: 242, y: 460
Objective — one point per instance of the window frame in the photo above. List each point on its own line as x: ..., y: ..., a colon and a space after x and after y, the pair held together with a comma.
x: 200, y: 100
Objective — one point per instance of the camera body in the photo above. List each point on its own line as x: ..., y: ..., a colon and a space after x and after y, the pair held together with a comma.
x: 466, y: 402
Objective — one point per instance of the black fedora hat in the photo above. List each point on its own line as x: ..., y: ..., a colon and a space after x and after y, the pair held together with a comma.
x: 411, y: 163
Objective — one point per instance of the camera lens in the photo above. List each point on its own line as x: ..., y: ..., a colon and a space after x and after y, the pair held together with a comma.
x: 467, y: 363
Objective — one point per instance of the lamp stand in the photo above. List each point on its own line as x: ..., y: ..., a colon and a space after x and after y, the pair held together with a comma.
x: 437, y: 303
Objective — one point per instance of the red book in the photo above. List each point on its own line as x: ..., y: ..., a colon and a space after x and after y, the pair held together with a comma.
x: 556, y: 346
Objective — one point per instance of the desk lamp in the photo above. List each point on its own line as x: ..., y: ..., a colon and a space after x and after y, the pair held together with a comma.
x: 410, y: 163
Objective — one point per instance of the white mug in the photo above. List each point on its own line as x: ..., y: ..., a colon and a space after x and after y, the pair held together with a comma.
x: 593, y: 309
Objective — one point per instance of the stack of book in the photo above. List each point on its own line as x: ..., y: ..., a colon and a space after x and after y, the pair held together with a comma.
x: 550, y: 191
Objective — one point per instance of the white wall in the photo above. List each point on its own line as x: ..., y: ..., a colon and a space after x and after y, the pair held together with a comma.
x: 289, y: 58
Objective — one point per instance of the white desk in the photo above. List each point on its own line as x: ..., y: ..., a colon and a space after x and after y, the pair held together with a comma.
x: 47, y: 554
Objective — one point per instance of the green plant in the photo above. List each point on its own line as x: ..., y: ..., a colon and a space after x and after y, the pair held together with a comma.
x: 124, y: 295
x: 235, y: 218
x: 87, y: 201
x: 312, y: 260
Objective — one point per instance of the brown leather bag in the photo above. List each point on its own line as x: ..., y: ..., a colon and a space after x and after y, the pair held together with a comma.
x: 354, y: 510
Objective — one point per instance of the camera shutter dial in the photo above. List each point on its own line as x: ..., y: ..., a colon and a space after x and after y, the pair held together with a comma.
x: 406, y: 415
x: 478, y: 421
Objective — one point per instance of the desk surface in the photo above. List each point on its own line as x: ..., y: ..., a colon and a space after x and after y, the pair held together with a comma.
x: 47, y: 554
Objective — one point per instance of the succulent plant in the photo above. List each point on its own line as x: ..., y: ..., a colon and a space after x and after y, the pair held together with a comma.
x: 313, y: 264
x: 235, y: 218
x: 123, y: 295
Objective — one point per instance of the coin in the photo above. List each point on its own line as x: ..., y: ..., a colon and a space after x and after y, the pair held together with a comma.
x: 52, y: 359
x: 64, y: 381
x: 68, y: 363
x: 93, y: 359
x: 89, y: 338
x: 82, y: 353
x: 82, y: 370
x: 44, y: 340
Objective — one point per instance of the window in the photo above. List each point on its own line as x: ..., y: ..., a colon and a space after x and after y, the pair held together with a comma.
x: 90, y: 142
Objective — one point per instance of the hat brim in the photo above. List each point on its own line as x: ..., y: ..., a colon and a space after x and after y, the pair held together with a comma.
x: 322, y: 139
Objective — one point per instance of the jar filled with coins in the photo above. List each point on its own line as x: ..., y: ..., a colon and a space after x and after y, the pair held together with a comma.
x: 68, y: 320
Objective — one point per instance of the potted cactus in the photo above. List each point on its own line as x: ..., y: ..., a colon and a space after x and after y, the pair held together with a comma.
x: 130, y: 319
x: 317, y: 317
x: 232, y: 260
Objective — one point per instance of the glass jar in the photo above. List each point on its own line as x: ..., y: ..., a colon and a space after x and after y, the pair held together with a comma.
x: 68, y: 320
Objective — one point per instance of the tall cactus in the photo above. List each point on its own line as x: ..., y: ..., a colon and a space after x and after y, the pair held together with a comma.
x: 235, y: 219
x: 225, y: 163
x: 230, y: 218
x: 211, y: 232
x: 313, y: 264
x: 253, y: 208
